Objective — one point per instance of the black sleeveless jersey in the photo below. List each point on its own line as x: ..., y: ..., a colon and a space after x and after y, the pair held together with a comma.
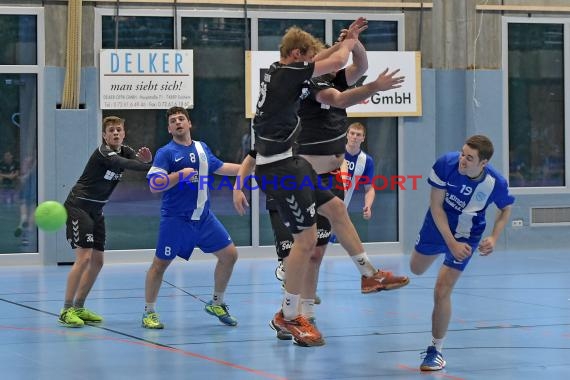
x: 104, y: 171
x: 276, y: 122
x: 323, y: 126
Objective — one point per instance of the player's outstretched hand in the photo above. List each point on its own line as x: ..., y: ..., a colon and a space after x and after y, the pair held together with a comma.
x: 358, y: 26
x: 144, y: 154
x: 389, y: 81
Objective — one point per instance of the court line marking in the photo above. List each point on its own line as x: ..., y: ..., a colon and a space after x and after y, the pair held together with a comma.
x: 137, y: 341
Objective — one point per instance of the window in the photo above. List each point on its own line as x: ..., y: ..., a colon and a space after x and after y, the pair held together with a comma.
x: 18, y: 128
x: 536, y: 104
x: 141, y: 32
x: 19, y: 45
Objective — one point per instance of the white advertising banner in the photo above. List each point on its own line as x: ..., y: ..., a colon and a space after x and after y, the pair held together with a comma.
x: 146, y: 79
x: 403, y: 101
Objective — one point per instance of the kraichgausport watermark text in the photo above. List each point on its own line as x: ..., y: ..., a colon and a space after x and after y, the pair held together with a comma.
x: 339, y: 181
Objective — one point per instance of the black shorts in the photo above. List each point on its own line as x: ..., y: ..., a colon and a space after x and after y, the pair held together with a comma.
x: 329, y: 181
x: 85, y: 224
x: 281, y: 235
x: 293, y: 183
x: 284, y: 238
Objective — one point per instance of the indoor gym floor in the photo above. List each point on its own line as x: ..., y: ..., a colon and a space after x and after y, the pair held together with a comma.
x: 511, y: 320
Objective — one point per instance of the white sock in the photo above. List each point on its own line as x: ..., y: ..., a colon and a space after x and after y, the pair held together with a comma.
x: 438, y: 343
x: 364, y: 264
x: 150, y: 307
x: 290, y: 305
x: 218, y: 298
x: 308, y: 307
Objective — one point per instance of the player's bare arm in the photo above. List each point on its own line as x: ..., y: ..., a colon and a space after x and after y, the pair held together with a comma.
x: 354, y: 96
x: 336, y: 61
x: 164, y: 182
x: 228, y: 169
x: 239, y: 199
x: 359, y: 65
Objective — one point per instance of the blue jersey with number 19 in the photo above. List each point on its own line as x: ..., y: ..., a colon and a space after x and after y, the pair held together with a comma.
x: 465, y: 199
x: 183, y: 199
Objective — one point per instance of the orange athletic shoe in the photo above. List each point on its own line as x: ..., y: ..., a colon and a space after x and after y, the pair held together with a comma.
x: 303, y: 332
x: 278, y: 324
x: 383, y: 280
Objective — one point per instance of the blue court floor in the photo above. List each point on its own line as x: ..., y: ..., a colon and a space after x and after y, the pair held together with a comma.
x: 511, y: 320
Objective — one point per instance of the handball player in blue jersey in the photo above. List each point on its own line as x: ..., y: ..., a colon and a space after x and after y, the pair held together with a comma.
x: 180, y: 171
x: 357, y: 163
x: 463, y: 186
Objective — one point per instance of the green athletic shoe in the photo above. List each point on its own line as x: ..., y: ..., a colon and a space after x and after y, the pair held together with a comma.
x: 221, y: 311
x: 68, y: 318
x: 87, y: 315
x: 151, y: 321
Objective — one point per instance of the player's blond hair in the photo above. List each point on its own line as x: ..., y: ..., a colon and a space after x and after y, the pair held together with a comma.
x: 358, y: 126
x: 297, y: 38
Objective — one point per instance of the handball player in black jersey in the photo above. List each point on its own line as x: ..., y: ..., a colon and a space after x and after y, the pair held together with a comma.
x: 85, y: 222
x: 322, y: 142
x: 275, y: 125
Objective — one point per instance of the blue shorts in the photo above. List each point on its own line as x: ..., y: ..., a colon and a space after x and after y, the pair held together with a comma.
x: 430, y: 242
x: 179, y: 235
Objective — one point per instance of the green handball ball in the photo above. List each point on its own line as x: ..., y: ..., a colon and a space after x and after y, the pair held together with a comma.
x: 50, y: 216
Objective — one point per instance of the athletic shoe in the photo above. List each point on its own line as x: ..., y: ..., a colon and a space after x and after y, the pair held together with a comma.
x: 383, y: 280
x: 280, y: 333
x: 222, y: 312
x: 280, y: 272
x: 286, y: 335
x: 303, y: 332
x: 150, y: 320
x: 433, y: 360
x: 68, y: 317
x: 87, y: 315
